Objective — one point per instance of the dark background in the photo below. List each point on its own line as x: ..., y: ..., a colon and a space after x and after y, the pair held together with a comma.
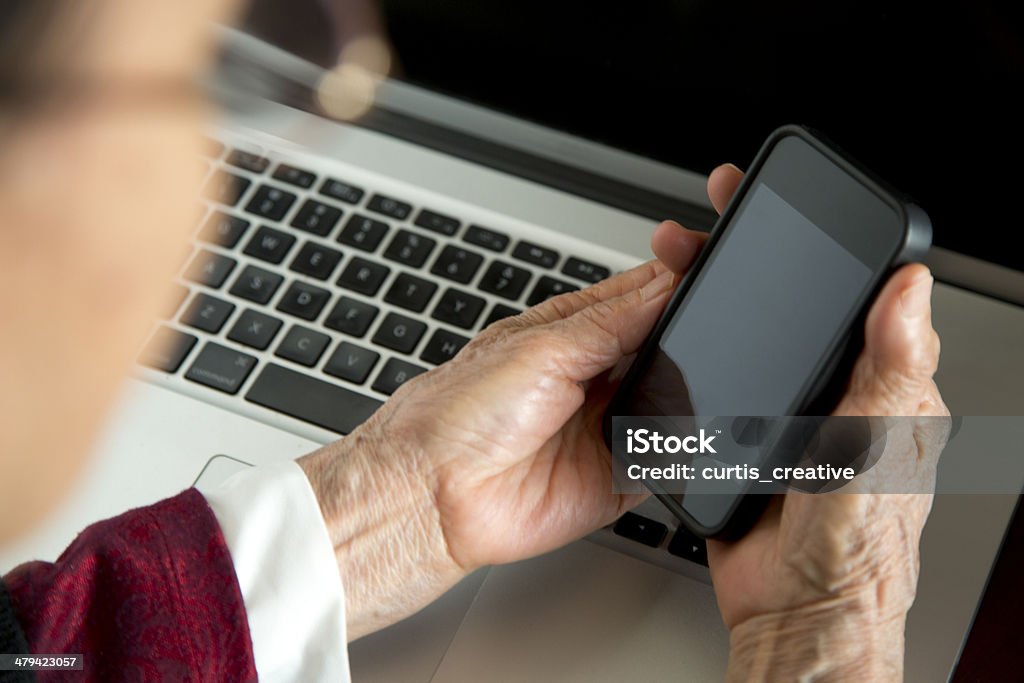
x: 926, y: 94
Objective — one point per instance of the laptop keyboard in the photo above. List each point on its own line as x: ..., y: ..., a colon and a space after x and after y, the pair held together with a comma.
x: 352, y: 290
x: 652, y: 533
x: 317, y: 297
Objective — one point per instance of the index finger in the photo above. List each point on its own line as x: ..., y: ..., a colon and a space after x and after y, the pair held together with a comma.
x: 566, y: 305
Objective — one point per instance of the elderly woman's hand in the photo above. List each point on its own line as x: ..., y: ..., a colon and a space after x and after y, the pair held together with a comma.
x: 495, y: 456
x: 820, y: 587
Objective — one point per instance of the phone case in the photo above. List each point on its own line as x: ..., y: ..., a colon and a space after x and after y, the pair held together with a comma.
x: 832, y: 373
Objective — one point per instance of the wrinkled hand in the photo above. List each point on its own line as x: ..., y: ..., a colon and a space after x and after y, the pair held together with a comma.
x: 493, y: 457
x: 498, y: 455
x: 830, y: 577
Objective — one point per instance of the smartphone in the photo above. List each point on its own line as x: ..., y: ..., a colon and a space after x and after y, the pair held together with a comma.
x: 769, y: 319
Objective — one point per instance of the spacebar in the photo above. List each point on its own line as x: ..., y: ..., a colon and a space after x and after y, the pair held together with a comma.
x: 313, y: 400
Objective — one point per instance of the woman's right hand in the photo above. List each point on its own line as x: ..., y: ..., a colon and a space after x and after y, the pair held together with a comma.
x: 821, y: 585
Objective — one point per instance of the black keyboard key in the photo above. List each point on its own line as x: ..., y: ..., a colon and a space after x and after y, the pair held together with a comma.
x: 536, y: 254
x: 336, y: 189
x: 500, y: 312
x: 316, y: 218
x: 363, y: 232
x: 398, y: 333
x: 175, y: 297
x: 316, y: 261
x: 457, y: 264
x: 409, y: 291
x: 640, y: 529
x: 167, y: 349
x: 548, y: 287
x: 253, y: 163
x: 254, y: 329
x: 226, y: 188
x: 256, y: 284
x: 294, y: 176
x: 394, y: 374
x: 269, y: 244
x: 443, y: 346
x: 409, y: 248
x: 351, y: 363
x: 312, y: 400
x: 446, y: 225
x: 505, y: 280
x: 458, y: 308
x: 389, y: 206
x: 486, y: 238
x: 585, y: 270
x: 302, y: 345
x: 303, y: 301
x: 363, y: 276
x: 270, y: 202
x: 690, y: 547
x: 207, y: 313
x: 221, y: 368
x: 351, y: 317
x: 223, y: 229
x: 210, y: 269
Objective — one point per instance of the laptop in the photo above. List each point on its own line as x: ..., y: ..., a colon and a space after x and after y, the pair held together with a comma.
x: 510, y: 157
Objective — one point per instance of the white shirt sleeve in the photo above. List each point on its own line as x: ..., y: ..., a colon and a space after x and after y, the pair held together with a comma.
x: 287, y: 571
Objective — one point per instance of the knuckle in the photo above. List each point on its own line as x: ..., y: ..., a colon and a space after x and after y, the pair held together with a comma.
x: 493, y: 335
x: 535, y: 347
x: 488, y: 336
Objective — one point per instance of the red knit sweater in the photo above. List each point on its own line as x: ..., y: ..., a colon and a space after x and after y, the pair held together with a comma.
x: 150, y: 595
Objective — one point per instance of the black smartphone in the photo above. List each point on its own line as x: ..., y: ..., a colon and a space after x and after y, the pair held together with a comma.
x: 769, y: 318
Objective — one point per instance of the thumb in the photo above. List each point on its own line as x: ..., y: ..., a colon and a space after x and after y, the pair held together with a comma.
x: 595, y: 338
x: 901, y: 349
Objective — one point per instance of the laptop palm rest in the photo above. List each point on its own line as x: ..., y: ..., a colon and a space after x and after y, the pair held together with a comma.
x: 587, y: 613
x: 411, y: 650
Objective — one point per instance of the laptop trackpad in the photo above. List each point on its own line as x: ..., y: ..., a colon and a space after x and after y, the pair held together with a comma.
x: 410, y: 651
x: 217, y: 469
x: 587, y: 613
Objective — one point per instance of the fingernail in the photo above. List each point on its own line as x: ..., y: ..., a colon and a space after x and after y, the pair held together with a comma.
x: 657, y: 286
x: 916, y: 299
